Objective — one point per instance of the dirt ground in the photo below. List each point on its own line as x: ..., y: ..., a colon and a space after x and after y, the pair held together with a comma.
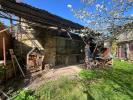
x: 53, y: 74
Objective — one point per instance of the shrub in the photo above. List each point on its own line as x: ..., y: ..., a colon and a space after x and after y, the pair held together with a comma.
x: 25, y: 95
x: 2, y: 71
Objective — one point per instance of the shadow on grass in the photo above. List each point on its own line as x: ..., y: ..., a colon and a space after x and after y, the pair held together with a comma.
x: 121, y: 77
x: 89, y: 96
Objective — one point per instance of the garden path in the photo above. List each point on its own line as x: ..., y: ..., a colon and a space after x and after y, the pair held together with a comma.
x: 53, y: 74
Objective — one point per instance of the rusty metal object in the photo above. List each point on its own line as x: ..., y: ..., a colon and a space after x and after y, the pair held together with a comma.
x: 34, y: 60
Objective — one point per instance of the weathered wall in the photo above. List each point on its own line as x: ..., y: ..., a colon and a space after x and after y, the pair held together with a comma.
x: 38, y: 38
x: 125, y: 50
x: 131, y: 50
x: 57, y: 50
x: 68, y: 51
x: 50, y: 50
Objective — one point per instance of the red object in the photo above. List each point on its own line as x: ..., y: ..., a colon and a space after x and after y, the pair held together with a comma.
x: 4, y: 51
x: 106, y: 52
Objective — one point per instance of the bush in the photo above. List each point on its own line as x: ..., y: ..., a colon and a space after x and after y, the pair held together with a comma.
x: 2, y: 71
x: 25, y: 95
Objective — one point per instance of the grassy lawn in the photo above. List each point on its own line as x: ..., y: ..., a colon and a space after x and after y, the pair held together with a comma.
x: 62, y: 89
x: 114, y: 84
x: 109, y: 84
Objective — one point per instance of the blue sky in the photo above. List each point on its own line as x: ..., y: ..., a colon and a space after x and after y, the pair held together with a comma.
x: 58, y: 7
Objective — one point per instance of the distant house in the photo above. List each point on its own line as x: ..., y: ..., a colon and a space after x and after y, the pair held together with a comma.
x: 125, y: 42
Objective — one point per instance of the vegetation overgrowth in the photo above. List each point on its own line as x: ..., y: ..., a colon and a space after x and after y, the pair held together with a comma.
x: 101, y: 84
x: 2, y: 71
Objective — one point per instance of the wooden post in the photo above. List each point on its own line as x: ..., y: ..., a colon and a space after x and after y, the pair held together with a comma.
x: 120, y: 56
x: 11, y: 53
x: 11, y: 24
x: 4, y: 51
x: 127, y: 51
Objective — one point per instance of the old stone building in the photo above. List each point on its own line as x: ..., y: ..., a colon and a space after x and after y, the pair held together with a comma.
x: 56, y: 45
x: 125, y: 42
x: 49, y: 33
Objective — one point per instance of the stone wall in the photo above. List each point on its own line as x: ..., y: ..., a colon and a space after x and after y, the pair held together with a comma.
x: 50, y: 50
x: 36, y: 38
x: 125, y: 50
x: 48, y: 42
x: 68, y: 51
x: 131, y: 50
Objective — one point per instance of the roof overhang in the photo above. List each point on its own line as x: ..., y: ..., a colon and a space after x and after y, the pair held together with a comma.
x: 36, y: 15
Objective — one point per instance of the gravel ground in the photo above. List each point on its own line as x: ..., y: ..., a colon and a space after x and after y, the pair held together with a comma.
x: 53, y: 74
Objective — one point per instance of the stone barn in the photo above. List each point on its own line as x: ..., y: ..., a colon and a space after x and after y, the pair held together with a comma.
x: 125, y: 42
x: 51, y: 34
x: 57, y: 46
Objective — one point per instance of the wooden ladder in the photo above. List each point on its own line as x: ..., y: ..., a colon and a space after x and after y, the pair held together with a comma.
x: 13, y: 57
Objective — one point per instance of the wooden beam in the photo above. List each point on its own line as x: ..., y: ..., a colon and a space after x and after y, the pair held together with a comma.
x: 37, y: 15
x: 6, y: 29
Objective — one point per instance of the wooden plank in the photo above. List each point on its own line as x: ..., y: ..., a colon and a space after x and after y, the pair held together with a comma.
x: 3, y: 96
x: 13, y: 63
x: 15, y: 58
x: 19, y: 66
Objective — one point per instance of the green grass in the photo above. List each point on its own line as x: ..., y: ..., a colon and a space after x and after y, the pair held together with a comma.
x: 62, y: 89
x: 112, y: 84
x: 107, y: 84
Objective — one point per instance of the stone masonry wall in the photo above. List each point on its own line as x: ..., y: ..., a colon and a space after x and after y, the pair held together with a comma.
x: 38, y: 38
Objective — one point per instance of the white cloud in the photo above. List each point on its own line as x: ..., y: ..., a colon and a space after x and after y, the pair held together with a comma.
x: 131, y: 15
x: 130, y: 0
x: 18, y: 1
x: 88, y: 21
x: 100, y: 7
x: 97, y: 6
x: 69, y: 6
